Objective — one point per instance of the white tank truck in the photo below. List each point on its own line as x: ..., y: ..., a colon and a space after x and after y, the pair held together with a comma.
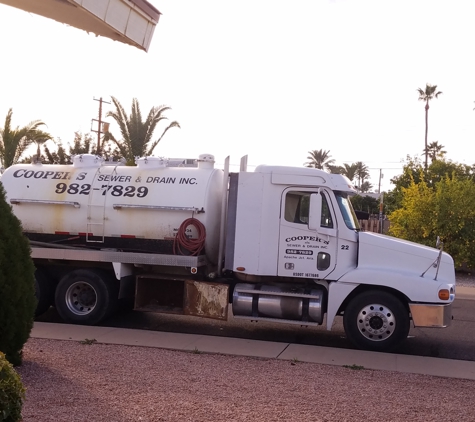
x: 280, y: 244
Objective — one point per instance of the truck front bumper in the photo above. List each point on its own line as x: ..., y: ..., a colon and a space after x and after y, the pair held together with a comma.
x: 425, y: 315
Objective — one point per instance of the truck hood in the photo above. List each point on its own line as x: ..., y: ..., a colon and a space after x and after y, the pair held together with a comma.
x: 378, y: 251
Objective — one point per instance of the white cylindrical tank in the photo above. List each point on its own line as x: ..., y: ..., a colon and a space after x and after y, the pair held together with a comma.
x: 104, y: 203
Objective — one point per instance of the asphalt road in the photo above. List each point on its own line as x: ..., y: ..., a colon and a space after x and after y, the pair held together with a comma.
x: 454, y: 342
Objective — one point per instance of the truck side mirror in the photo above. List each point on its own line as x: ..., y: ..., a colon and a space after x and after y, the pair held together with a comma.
x: 315, y: 216
x: 315, y: 211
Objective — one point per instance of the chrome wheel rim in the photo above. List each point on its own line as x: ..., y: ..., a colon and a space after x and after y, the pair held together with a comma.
x: 81, y: 298
x: 376, y: 322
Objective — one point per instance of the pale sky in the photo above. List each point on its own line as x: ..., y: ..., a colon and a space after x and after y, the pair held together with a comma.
x: 270, y: 79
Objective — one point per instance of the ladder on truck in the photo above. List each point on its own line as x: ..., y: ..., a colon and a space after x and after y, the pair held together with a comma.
x: 96, y: 207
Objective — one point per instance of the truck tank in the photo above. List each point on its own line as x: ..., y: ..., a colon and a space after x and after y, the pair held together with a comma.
x: 107, y: 205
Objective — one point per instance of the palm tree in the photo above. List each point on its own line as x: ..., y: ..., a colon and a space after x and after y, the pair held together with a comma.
x: 319, y: 159
x: 349, y: 170
x: 435, y: 150
x: 13, y: 142
x: 136, y: 134
x: 366, y: 187
x: 335, y: 169
x: 426, y: 95
x: 361, y: 172
x: 39, y: 138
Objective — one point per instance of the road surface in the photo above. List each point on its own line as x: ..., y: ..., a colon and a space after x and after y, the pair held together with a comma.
x: 454, y: 342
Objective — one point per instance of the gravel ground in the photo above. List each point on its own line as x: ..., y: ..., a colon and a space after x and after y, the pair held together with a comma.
x: 70, y: 381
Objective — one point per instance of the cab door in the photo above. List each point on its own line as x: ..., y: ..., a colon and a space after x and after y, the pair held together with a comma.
x: 307, y: 247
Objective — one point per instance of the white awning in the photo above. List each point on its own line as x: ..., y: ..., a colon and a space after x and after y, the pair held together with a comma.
x: 129, y: 21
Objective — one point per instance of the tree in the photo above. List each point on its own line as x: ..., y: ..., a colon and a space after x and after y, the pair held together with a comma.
x: 365, y: 203
x: 435, y: 151
x: 319, y: 159
x: 413, y: 171
x: 361, y: 173
x: 335, y: 169
x: 365, y: 187
x: 350, y: 170
x: 39, y: 138
x: 427, y: 95
x: 137, y: 134
x: 60, y: 156
x: 82, y: 144
x: 12, y: 392
x: 13, y: 142
x: 17, y: 284
x: 446, y: 210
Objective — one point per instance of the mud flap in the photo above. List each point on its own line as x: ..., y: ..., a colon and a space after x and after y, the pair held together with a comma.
x: 208, y: 300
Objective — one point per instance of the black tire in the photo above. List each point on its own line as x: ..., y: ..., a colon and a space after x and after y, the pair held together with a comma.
x: 376, y: 320
x: 44, y: 292
x: 127, y: 294
x: 86, y: 297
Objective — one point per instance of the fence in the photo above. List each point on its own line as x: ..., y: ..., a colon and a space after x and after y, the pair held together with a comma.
x: 373, y: 225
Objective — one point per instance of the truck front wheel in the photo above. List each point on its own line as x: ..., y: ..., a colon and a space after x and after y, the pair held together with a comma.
x: 86, y: 297
x: 376, y: 320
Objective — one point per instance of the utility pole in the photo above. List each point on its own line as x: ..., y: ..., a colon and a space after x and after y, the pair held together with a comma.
x: 101, y: 126
x: 381, y: 201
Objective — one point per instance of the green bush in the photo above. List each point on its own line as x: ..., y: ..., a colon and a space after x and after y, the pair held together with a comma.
x: 17, y: 285
x: 447, y: 210
x: 12, y: 392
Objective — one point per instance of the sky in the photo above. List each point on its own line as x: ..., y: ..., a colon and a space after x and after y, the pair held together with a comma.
x: 269, y: 79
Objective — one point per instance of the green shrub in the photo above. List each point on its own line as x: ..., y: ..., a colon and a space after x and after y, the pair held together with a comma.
x: 12, y: 392
x: 446, y: 210
x: 17, y: 285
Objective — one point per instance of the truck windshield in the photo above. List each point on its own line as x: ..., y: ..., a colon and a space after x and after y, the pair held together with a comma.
x: 347, y: 210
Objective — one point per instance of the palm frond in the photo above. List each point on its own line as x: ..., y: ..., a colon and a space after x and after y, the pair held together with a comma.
x: 14, y: 142
x: 136, y: 133
x: 155, y: 143
x: 121, y: 118
x: 124, y: 150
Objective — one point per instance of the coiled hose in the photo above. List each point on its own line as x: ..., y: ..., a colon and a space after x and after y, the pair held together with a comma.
x: 183, y: 245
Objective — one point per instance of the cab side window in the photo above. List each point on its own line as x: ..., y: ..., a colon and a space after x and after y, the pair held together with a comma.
x: 297, y: 206
x: 326, y: 221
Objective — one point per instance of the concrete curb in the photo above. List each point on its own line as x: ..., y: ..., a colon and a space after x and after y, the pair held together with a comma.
x: 257, y: 348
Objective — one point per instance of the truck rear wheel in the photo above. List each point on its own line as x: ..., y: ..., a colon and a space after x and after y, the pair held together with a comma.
x: 44, y: 292
x: 376, y: 320
x: 86, y: 297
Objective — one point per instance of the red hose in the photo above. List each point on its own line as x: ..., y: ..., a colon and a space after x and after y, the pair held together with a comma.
x: 183, y: 244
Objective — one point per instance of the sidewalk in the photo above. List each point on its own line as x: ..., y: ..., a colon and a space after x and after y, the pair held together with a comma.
x: 262, y: 349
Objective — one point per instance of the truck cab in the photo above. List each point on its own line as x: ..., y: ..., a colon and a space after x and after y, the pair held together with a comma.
x: 296, y: 227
